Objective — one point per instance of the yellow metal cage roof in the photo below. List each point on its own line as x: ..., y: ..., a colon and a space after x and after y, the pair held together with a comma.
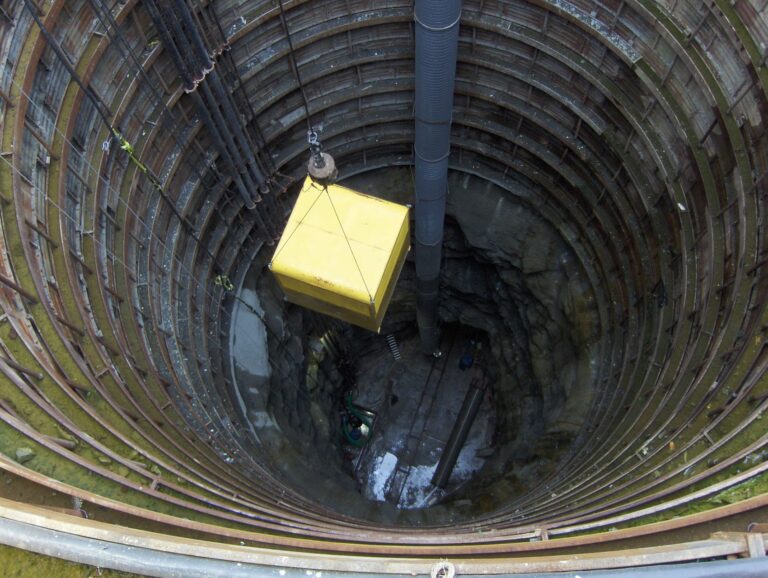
x: 341, y: 253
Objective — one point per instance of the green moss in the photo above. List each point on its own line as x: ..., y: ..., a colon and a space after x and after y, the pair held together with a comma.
x: 754, y: 487
x: 58, y: 467
x: 22, y: 564
x: 740, y: 492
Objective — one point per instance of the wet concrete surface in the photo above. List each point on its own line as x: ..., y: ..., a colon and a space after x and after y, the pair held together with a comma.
x: 250, y: 361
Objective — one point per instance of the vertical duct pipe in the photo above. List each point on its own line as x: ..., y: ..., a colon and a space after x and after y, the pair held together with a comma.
x: 437, y: 38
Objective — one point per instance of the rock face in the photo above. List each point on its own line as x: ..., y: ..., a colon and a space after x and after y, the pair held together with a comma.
x: 291, y: 405
x: 509, y: 272
x: 23, y: 455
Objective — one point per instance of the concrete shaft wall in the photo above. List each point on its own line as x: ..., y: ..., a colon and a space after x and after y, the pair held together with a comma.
x: 635, y: 127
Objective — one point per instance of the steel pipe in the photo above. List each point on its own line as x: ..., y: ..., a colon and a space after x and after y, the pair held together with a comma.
x: 464, y: 421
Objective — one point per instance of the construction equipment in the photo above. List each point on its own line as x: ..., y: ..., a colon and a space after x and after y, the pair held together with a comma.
x: 341, y: 253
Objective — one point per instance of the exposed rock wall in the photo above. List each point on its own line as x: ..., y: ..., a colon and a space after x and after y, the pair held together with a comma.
x: 509, y: 273
x: 292, y: 411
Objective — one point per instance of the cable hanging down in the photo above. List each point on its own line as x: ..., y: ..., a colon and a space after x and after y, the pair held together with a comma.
x: 321, y: 166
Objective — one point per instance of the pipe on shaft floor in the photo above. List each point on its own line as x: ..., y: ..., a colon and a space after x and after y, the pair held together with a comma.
x: 437, y: 38
x: 460, y: 431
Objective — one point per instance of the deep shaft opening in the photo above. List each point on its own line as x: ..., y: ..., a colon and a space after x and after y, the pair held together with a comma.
x: 368, y: 416
x: 604, y: 242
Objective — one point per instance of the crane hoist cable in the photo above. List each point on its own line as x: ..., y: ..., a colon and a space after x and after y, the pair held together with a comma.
x: 294, y: 65
x: 321, y: 166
